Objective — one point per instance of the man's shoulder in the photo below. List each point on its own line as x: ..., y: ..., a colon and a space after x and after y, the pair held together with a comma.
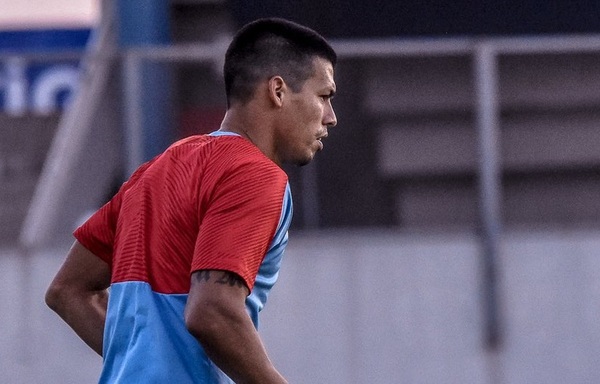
x: 228, y: 155
x: 236, y: 151
x: 233, y: 146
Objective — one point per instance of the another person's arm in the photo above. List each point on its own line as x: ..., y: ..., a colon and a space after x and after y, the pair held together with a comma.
x: 78, y: 294
x: 216, y: 315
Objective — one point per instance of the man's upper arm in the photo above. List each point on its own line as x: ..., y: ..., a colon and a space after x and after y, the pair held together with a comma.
x: 214, y: 292
x: 82, y: 270
x: 217, y: 285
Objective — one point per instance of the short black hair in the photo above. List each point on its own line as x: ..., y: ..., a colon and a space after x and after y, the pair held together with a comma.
x: 269, y: 47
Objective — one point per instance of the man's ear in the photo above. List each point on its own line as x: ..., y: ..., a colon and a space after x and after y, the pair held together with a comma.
x: 277, y: 89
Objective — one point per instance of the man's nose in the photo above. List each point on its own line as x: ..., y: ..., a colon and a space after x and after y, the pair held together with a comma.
x: 330, y: 119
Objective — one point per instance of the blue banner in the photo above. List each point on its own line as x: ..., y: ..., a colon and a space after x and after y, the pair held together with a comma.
x: 40, y: 84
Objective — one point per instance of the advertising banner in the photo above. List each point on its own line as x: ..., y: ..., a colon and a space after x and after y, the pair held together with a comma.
x: 34, y: 78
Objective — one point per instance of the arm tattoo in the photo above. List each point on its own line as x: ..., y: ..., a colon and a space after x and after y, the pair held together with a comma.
x: 203, y: 275
x: 227, y: 278
x: 230, y: 279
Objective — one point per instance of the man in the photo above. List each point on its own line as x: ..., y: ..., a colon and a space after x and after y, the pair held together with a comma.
x: 192, y: 243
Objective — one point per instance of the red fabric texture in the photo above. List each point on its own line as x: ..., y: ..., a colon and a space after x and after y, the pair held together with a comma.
x: 208, y: 202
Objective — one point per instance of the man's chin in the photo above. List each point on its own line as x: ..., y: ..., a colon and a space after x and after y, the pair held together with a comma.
x: 304, y: 161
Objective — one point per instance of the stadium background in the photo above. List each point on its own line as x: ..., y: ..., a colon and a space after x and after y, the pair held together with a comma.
x: 448, y: 234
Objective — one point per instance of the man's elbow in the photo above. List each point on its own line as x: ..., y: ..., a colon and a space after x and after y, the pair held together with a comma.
x: 207, y: 322
x: 199, y: 325
x: 55, y: 296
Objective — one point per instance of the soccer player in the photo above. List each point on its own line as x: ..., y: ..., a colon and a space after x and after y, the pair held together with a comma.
x: 192, y: 243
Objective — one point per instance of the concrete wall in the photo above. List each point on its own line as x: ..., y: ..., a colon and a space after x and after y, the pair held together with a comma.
x: 370, y: 307
x: 397, y: 309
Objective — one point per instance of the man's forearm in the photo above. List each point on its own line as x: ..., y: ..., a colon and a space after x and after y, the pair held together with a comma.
x: 84, y: 313
x: 235, y: 346
x: 78, y: 294
x: 216, y: 315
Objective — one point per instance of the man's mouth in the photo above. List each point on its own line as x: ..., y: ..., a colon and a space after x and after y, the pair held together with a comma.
x: 320, y: 141
x: 320, y: 144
